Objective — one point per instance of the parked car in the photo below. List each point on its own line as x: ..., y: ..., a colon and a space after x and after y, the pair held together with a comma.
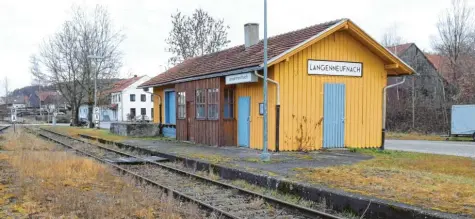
x: 82, y: 122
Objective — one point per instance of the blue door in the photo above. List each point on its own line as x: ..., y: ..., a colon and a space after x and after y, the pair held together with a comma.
x: 244, y: 112
x: 334, y: 116
x: 170, y: 108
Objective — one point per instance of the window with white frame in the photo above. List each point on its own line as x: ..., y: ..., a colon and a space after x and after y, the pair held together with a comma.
x: 181, y: 105
x: 213, y: 103
x: 200, y: 103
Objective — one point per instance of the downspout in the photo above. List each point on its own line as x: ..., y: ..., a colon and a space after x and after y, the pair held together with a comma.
x: 122, y: 101
x: 277, y: 110
x: 384, y: 109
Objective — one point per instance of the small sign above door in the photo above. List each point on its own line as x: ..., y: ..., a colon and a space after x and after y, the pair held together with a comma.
x: 241, y: 78
x: 317, y: 67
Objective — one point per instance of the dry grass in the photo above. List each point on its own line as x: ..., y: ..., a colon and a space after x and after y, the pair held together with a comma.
x: 445, y: 183
x: 98, y: 133
x: 76, y: 131
x: 52, y: 184
x: 414, y: 136
x: 427, y: 137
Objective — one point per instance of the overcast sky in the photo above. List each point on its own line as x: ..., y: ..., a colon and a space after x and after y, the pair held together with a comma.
x: 146, y: 23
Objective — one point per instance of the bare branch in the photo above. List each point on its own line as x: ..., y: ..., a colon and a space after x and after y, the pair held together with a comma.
x: 194, y: 36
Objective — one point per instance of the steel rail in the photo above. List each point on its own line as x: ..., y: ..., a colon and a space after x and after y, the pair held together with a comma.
x: 312, y: 213
x: 145, y: 179
x: 4, y: 128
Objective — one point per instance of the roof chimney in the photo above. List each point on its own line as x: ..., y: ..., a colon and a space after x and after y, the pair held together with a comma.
x: 251, y: 34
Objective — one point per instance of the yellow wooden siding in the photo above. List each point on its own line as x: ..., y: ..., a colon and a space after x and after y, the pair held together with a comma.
x: 302, y: 95
x: 255, y: 91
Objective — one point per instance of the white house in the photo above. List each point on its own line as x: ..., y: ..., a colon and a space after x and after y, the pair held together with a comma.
x: 129, y: 102
x: 106, y: 114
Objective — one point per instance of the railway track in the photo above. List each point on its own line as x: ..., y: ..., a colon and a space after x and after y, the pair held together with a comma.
x: 3, y: 128
x: 223, y: 199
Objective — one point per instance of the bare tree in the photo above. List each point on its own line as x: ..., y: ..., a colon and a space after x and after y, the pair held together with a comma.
x: 35, y: 70
x: 65, y: 56
x: 455, y: 32
x: 197, y: 35
x: 5, y: 83
x: 391, y: 37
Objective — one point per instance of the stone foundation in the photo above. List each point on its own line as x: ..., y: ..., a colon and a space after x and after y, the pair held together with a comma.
x: 135, y: 129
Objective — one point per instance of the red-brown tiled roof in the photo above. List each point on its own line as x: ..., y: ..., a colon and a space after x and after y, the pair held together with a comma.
x: 238, y: 57
x: 441, y: 63
x: 399, y: 49
x: 45, y: 94
x: 436, y: 60
x: 121, y: 85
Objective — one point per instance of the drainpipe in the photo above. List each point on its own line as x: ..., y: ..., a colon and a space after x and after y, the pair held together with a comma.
x: 277, y: 110
x: 122, y: 101
x: 384, y: 109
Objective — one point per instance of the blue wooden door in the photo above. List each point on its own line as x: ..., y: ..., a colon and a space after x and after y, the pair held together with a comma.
x: 244, y: 112
x: 334, y: 116
x: 170, y: 108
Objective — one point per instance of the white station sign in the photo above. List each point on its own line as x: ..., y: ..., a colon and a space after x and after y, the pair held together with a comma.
x: 13, y: 113
x: 96, y: 114
x: 241, y: 78
x: 317, y: 67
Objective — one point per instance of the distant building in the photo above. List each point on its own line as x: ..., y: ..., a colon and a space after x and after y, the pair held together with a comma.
x: 420, y: 98
x: 47, y: 100
x: 18, y: 102
x: 127, y: 101
x: 123, y: 101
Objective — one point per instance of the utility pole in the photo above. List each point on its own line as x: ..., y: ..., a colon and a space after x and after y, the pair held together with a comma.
x: 96, y: 72
x: 6, y: 91
x: 265, y: 156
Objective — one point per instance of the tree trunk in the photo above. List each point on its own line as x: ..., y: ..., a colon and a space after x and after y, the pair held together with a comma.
x: 413, y: 103
x: 89, y: 116
x: 75, y: 114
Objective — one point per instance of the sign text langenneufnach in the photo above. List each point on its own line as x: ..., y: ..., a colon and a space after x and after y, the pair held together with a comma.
x: 317, y: 67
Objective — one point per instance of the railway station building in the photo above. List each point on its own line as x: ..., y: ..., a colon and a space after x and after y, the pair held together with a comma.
x: 326, y: 90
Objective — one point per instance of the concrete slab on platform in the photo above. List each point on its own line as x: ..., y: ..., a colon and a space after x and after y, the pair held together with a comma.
x: 282, y: 163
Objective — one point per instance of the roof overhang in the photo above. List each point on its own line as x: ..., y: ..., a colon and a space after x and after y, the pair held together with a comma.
x: 394, y: 65
x: 206, y: 76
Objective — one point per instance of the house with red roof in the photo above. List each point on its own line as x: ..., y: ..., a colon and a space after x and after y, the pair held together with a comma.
x: 124, y: 101
x: 325, y: 90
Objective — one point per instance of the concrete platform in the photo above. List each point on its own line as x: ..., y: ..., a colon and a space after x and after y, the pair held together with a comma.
x: 133, y: 160
x: 281, y: 164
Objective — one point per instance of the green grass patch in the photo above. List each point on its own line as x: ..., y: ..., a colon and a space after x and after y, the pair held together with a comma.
x: 212, y: 158
x: 439, y: 182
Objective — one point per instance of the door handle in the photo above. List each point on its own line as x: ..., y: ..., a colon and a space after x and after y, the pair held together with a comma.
x: 248, y: 119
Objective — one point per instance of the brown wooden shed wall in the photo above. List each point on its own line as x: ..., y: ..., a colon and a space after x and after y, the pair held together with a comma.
x: 218, y: 132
